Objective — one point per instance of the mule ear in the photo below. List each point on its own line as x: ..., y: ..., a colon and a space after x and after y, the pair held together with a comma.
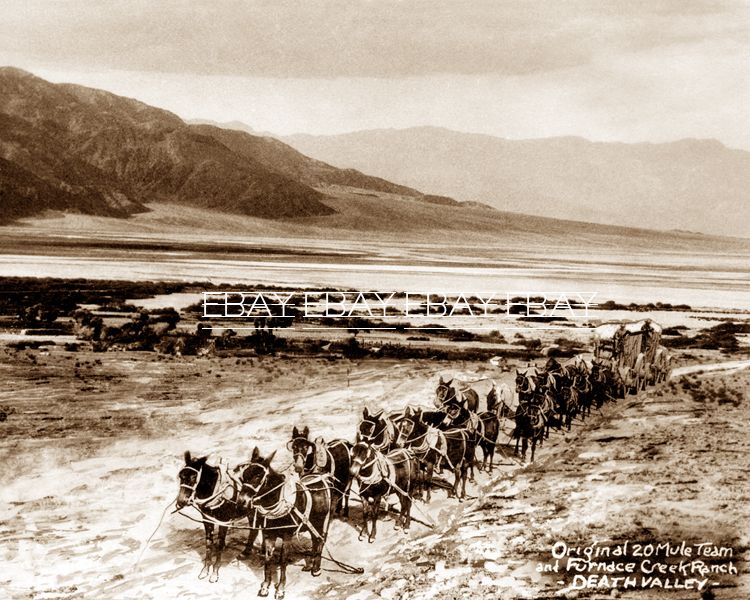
x: 295, y: 433
x: 441, y: 379
x: 357, y: 439
x: 407, y: 412
x: 268, y: 460
x: 256, y: 454
x: 365, y: 414
x: 188, y: 458
x: 305, y: 432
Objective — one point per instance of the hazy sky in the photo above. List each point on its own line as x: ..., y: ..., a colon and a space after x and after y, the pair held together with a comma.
x: 649, y: 70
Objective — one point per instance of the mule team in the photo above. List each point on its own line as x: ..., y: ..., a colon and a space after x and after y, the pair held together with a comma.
x: 395, y: 453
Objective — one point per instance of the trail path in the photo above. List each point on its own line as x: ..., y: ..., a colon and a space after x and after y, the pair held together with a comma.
x: 75, y: 515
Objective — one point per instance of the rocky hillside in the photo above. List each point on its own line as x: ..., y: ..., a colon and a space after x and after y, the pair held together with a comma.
x: 71, y: 148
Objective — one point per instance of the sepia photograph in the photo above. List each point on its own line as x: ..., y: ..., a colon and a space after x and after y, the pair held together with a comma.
x: 363, y: 299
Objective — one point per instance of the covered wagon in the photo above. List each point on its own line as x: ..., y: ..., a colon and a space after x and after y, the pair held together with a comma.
x: 633, y: 351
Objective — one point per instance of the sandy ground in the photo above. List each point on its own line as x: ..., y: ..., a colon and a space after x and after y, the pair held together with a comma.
x: 93, y: 460
x: 665, y: 467
x: 93, y: 443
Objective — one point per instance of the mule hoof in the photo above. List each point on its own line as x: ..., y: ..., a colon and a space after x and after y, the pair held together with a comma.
x: 371, y: 540
x: 214, y: 577
x: 279, y: 594
x: 263, y: 591
x: 204, y: 573
x: 306, y: 568
x: 315, y: 573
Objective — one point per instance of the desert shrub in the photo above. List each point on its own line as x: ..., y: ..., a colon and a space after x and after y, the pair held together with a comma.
x: 6, y: 411
x: 542, y: 319
x: 676, y: 330
x: 29, y: 344
x: 351, y: 348
x: 37, y: 314
x: 65, y: 295
x: 719, y: 337
x: 650, y: 306
x: 263, y: 341
x: 494, y: 337
x: 461, y: 335
x: 713, y: 391
x: 531, y: 343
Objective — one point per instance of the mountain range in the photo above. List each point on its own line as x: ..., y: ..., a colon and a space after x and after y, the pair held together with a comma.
x: 71, y: 148
x: 697, y: 185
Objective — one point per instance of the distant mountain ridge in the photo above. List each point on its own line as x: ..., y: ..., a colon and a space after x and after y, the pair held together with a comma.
x: 74, y: 149
x: 71, y: 148
x: 698, y: 185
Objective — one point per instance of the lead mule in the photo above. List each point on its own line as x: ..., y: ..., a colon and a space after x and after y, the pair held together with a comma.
x: 201, y: 486
x: 285, y: 505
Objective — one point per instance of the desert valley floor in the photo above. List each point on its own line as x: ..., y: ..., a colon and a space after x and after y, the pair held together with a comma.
x: 95, y: 441
x: 92, y: 441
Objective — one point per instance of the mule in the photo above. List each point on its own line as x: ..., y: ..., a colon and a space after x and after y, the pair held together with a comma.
x: 526, y: 386
x: 460, y: 417
x: 607, y: 383
x: 425, y: 442
x: 482, y: 429
x: 583, y: 384
x: 447, y: 391
x: 459, y: 451
x: 285, y: 505
x: 500, y: 401
x: 565, y: 399
x: 380, y: 475
x: 530, y: 426
x: 378, y: 430
x: 215, y: 495
x: 332, y: 458
x: 490, y: 431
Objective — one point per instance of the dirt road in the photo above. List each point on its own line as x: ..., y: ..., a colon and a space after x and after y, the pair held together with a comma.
x: 92, y: 460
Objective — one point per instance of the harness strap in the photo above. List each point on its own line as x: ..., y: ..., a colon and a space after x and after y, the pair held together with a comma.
x: 286, y: 502
x: 302, y: 519
x: 444, y: 454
